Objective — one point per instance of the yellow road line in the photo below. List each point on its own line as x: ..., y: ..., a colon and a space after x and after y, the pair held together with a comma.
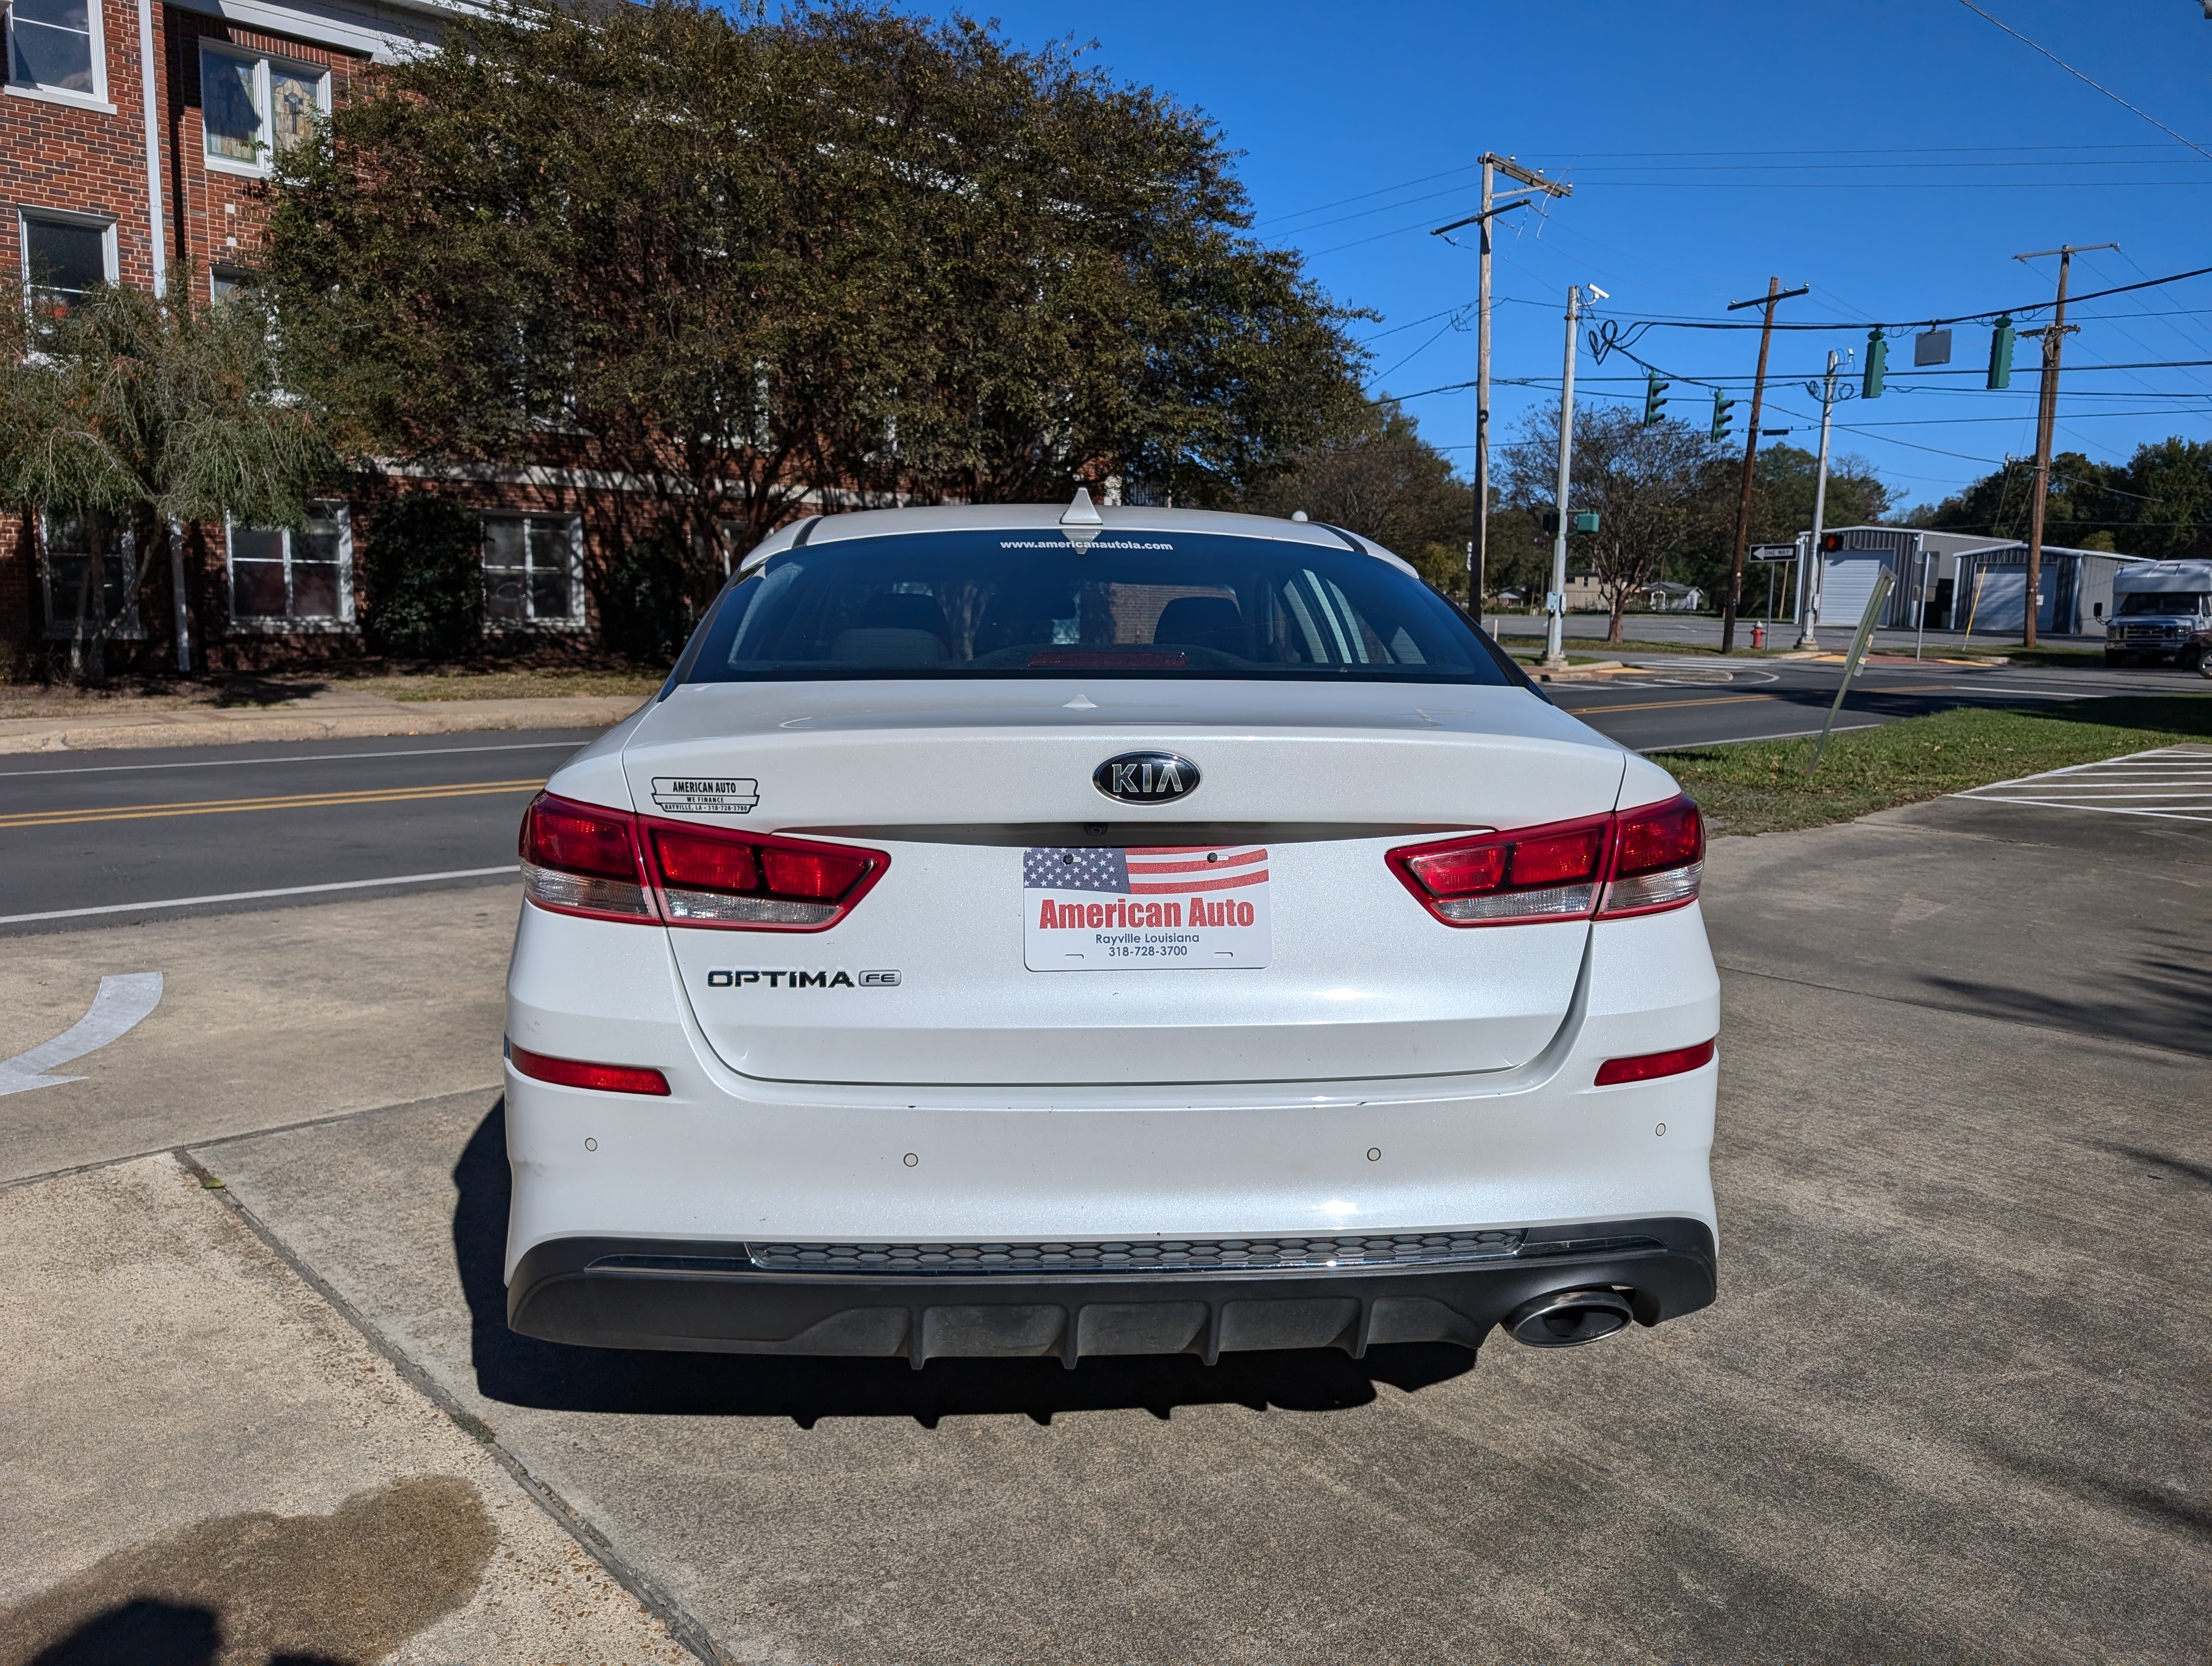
x: 289, y: 801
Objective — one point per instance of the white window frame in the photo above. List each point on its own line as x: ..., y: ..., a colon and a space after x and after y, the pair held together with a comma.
x: 287, y: 623
x: 58, y: 629
x: 576, y: 619
x: 265, y: 163
x: 105, y: 224
x: 95, y: 100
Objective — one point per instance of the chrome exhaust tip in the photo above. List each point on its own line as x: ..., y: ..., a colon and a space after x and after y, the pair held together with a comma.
x: 1568, y: 1318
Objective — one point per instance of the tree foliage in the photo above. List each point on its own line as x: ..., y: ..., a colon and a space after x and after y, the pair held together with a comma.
x: 2157, y: 503
x: 423, y: 573
x: 730, y: 261
x: 1655, y: 489
x: 157, y: 413
x: 1380, y: 479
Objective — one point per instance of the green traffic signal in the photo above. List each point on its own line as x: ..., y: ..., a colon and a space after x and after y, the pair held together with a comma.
x: 1721, y: 405
x: 1877, y: 361
x: 1654, y: 398
x: 2000, y: 340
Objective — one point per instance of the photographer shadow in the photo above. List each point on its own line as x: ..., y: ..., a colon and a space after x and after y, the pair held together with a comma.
x: 522, y: 1371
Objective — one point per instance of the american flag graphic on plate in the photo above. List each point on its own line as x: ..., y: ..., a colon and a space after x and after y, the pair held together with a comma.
x: 1089, y: 909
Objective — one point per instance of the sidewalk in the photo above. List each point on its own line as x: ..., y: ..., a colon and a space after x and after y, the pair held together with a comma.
x: 327, y: 714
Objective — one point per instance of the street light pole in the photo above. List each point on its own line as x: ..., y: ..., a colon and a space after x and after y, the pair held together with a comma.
x: 1555, y: 602
x: 1806, y: 590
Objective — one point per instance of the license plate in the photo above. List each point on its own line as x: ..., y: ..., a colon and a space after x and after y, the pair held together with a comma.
x: 1094, y: 908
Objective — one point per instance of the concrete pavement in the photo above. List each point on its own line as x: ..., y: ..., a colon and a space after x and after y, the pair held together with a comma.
x: 1949, y: 1405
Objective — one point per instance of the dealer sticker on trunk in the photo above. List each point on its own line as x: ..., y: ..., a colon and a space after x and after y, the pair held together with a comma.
x: 1089, y: 909
x: 706, y: 795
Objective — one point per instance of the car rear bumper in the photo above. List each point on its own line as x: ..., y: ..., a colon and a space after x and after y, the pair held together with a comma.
x: 713, y: 1296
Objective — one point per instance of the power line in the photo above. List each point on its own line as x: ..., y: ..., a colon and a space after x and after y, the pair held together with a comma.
x: 2078, y: 75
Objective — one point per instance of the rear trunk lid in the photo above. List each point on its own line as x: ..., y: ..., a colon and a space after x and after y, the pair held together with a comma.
x: 981, y: 794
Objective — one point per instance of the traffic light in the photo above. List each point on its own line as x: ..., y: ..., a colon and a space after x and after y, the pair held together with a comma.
x: 1721, y: 405
x: 1654, y: 398
x: 2001, y: 353
x: 1877, y: 361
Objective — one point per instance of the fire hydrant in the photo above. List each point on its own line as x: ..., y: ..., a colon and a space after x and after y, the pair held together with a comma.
x: 1758, y: 635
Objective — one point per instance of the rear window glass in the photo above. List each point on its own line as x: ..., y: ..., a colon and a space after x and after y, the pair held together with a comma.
x: 1034, y: 603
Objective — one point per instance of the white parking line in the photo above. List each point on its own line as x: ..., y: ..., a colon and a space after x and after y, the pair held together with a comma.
x: 254, y: 896
x: 2173, y: 783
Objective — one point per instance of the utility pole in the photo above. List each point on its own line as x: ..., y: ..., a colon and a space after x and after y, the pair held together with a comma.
x: 1555, y: 601
x: 1806, y: 639
x: 1478, y: 555
x: 2046, y: 416
x: 1774, y: 293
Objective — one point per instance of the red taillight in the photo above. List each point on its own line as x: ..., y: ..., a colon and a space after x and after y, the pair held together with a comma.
x: 754, y: 882
x: 610, y: 864
x: 1645, y: 1067
x: 601, y: 1078
x: 1635, y: 861
x: 582, y: 859
x: 1659, y: 859
x: 1495, y: 879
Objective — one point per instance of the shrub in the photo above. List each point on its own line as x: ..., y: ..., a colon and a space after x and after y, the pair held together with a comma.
x: 424, y: 575
x: 643, y: 610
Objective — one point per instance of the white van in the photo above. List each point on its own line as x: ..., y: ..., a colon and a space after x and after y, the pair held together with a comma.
x: 2162, y: 609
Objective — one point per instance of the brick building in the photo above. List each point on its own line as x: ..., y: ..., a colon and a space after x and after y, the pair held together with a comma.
x: 110, y: 173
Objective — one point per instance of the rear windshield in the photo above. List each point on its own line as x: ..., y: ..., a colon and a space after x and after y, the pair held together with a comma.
x: 2162, y: 601
x: 1034, y: 603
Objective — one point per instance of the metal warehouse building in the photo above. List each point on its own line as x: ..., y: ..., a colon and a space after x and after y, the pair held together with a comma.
x: 1955, y: 581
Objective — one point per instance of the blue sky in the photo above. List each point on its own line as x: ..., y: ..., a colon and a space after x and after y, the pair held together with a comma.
x: 1893, y: 153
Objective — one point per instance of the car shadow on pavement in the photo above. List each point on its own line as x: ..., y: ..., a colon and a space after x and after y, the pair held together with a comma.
x: 522, y: 1371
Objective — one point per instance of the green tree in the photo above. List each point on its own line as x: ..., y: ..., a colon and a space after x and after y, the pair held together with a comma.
x: 1651, y: 486
x: 731, y: 263
x: 154, y: 414
x: 423, y: 573
x: 1382, y: 480
x: 2157, y: 503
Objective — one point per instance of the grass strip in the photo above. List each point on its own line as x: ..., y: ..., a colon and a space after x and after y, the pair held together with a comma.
x: 1761, y: 787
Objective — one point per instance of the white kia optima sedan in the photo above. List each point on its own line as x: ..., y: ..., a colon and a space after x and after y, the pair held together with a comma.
x: 1019, y: 931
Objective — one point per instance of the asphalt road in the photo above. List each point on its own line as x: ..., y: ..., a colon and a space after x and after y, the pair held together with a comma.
x: 95, y: 835
x: 1949, y: 1405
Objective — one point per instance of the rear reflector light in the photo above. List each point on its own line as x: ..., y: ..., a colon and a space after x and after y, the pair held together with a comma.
x: 605, y: 864
x: 582, y: 859
x: 1635, y: 862
x: 600, y: 1077
x: 1645, y: 1067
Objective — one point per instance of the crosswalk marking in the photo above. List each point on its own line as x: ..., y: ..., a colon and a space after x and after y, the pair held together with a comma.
x: 2173, y: 783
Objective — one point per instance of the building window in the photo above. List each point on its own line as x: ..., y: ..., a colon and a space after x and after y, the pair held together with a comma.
x: 288, y: 579
x: 533, y: 569
x: 65, y: 257
x: 225, y: 282
x: 67, y: 545
x: 253, y: 107
x: 53, y: 47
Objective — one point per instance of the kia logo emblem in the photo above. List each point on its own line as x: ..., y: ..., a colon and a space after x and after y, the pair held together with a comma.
x: 1146, y: 777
